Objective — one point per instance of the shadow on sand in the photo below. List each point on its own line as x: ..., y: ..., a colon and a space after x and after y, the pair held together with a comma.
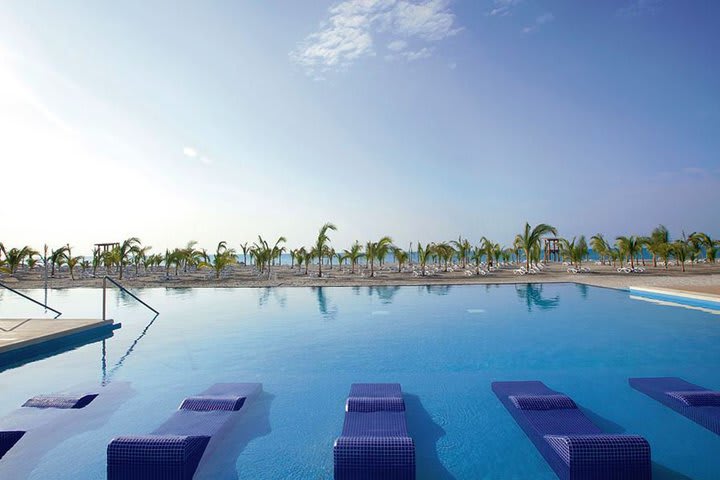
x: 425, y: 433
x: 220, y: 461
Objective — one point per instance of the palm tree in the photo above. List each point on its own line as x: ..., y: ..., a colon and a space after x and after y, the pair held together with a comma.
x: 264, y: 254
x: 487, y: 247
x: 321, y: 243
x: 373, y: 249
x: 530, y: 238
x: 629, y: 247
x: 657, y: 242
x: 32, y: 259
x: 477, y: 256
x: 96, y: 260
x: 330, y: 253
x: 574, y: 250
x: 354, y: 254
x: 72, y: 262
x: 140, y: 257
x: 680, y: 250
x: 703, y: 240
x: 424, y: 254
x: 600, y: 246
x: 463, y: 248
x: 445, y: 253
x: 308, y: 256
x: 245, y: 249
x: 57, y: 258
x: 15, y: 257
x: 224, y: 257
x: 126, y: 248
x: 401, y: 256
x: 300, y: 256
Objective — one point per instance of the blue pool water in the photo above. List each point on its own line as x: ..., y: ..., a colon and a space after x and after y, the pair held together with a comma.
x: 443, y: 344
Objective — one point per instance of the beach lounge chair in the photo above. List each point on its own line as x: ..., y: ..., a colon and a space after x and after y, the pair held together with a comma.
x: 572, y: 445
x: 32, y: 408
x: 374, y: 443
x: 699, y: 404
x: 174, y: 450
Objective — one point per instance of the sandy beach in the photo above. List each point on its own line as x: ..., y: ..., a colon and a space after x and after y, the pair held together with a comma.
x: 704, y: 278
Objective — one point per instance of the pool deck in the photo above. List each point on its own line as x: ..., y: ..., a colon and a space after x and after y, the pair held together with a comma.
x: 23, y: 333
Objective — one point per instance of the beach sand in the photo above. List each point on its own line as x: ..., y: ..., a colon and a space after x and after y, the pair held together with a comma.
x: 704, y: 278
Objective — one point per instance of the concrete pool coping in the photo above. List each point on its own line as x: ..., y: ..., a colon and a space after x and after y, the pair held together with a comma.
x: 23, y: 339
x: 683, y: 297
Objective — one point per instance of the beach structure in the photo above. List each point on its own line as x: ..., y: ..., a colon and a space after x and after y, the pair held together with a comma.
x: 106, y: 247
x: 174, y: 450
x: 552, y: 249
x: 697, y: 403
x: 33, y: 411
x: 374, y: 443
x: 573, y: 446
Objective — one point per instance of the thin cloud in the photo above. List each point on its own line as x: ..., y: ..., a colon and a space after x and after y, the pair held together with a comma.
x: 397, y: 45
x: 192, y: 152
x: 638, y: 8
x: 502, y: 8
x: 353, y: 26
x: 539, y: 22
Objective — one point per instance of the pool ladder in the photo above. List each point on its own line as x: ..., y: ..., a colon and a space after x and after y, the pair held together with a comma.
x: 104, y: 302
x: 31, y: 299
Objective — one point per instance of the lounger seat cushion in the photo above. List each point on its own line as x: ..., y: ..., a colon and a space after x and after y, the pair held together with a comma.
x: 8, y: 440
x: 591, y: 457
x: 542, y: 402
x: 155, y: 457
x: 379, y: 390
x: 696, y: 398
x: 375, y: 404
x: 60, y: 401
x: 207, y: 403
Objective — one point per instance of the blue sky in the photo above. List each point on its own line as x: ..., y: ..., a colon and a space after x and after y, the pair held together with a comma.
x: 421, y: 119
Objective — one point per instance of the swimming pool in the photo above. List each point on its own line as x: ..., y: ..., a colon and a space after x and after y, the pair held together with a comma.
x: 444, y: 344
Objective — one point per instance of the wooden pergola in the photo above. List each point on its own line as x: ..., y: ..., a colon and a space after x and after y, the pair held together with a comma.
x: 552, y: 249
x: 106, y: 247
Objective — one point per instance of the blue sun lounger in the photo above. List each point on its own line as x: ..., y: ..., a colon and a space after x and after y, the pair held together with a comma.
x: 8, y: 438
x: 699, y: 404
x: 174, y: 450
x: 374, y: 443
x: 573, y: 446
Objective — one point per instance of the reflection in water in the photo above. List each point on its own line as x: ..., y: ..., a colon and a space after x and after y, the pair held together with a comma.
x: 384, y: 293
x: 180, y: 292
x: 441, y: 290
x: 279, y: 294
x: 327, y: 310
x: 532, y: 294
x: 106, y: 375
x: 583, y: 290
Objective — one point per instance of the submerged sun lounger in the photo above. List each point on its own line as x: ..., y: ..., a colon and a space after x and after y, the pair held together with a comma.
x: 572, y: 445
x: 699, y: 404
x: 374, y: 443
x: 174, y: 450
x: 8, y: 438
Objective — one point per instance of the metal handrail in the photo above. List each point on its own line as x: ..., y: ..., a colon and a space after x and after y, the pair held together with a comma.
x: 31, y: 299
x: 105, y: 279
